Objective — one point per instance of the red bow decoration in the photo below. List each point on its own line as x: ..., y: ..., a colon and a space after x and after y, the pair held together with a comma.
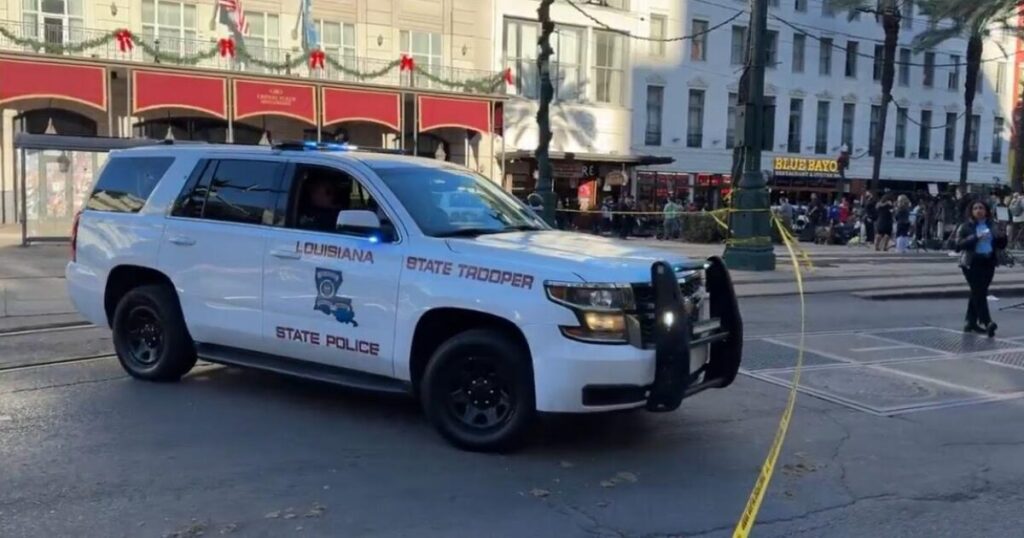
x: 407, y: 63
x: 316, y: 59
x: 226, y: 46
x: 124, y: 40
x: 508, y: 76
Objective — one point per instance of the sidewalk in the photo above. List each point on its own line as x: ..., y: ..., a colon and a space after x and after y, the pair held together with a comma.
x: 859, y: 270
x: 32, y: 289
x: 32, y: 283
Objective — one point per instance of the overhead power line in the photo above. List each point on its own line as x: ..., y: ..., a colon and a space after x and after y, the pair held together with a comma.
x: 818, y: 38
x: 654, y: 39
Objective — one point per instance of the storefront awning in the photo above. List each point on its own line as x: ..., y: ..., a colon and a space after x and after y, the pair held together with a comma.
x: 639, y: 160
x: 438, y: 112
x: 154, y: 90
x: 272, y: 98
x: 343, y: 104
x: 85, y: 84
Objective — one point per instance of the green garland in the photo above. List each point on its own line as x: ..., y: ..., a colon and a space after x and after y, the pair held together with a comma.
x: 171, y: 58
x: 243, y: 54
x: 489, y: 84
x: 55, y: 48
x: 360, y: 75
x: 480, y: 85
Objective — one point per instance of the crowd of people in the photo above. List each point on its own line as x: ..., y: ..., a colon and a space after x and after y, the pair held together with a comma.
x: 893, y: 221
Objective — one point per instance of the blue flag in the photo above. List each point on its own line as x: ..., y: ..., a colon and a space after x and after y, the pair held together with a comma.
x: 310, y: 38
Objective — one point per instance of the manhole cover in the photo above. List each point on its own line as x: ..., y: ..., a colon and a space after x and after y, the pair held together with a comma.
x: 945, y: 341
x: 762, y: 355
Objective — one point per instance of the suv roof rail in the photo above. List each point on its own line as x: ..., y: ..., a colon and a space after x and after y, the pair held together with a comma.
x: 330, y: 146
x: 173, y: 142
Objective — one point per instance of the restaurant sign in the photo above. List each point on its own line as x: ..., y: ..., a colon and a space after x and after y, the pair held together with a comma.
x: 801, y: 166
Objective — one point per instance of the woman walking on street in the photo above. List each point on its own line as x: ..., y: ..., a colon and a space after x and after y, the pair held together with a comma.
x: 978, y: 242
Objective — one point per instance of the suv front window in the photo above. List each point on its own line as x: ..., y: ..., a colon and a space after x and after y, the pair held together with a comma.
x: 447, y: 202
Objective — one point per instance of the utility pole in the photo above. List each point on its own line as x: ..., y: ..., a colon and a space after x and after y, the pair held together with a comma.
x: 545, y: 186
x: 751, y: 248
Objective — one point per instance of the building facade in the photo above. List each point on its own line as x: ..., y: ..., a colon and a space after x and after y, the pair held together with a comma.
x: 414, y: 75
x: 823, y: 82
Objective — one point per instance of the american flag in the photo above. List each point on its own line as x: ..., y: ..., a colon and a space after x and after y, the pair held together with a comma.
x: 234, y: 9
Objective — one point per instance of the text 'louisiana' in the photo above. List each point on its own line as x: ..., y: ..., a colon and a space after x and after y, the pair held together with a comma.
x: 322, y: 250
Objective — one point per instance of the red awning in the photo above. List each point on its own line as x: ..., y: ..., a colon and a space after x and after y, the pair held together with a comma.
x: 437, y: 112
x: 272, y: 98
x: 152, y: 90
x: 21, y: 79
x: 343, y: 104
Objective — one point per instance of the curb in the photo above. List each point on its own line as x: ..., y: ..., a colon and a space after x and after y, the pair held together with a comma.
x: 950, y: 292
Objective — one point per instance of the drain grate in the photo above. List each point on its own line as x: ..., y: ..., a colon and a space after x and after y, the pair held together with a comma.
x: 896, y: 371
x: 763, y: 355
x: 878, y: 391
x: 945, y: 341
x: 1009, y: 359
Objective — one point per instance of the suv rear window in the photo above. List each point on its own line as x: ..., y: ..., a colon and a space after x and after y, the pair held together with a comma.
x: 126, y: 183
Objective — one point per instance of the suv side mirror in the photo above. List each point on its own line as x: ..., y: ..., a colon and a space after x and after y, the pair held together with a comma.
x: 358, y: 221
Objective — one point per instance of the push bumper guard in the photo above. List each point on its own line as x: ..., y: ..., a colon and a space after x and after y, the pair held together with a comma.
x: 675, y: 337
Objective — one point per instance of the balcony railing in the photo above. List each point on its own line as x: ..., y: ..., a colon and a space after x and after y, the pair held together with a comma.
x: 65, y: 40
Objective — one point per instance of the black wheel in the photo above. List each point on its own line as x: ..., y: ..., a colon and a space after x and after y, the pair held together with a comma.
x: 478, y: 391
x: 150, y: 336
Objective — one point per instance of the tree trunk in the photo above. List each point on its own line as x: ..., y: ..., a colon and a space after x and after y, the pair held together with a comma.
x: 547, y: 94
x: 974, y: 46
x: 891, y: 25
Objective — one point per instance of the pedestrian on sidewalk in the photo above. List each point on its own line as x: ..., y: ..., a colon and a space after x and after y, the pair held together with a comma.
x: 1016, y: 217
x: 870, y: 216
x: 883, y: 226
x: 979, y: 243
x: 670, y: 213
x: 902, y: 224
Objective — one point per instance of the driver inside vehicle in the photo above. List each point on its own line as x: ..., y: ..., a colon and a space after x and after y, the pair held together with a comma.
x: 319, y: 203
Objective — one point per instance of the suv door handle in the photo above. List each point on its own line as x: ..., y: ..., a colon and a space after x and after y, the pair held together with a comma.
x: 182, y: 240
x: 285, y: 254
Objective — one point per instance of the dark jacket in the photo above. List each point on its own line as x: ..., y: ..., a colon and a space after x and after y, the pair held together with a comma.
x: 966, y: 241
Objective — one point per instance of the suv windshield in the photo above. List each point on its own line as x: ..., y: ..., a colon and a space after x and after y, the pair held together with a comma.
x: 449, y: 202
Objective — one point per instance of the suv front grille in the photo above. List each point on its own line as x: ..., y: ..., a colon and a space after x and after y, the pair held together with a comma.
x: 643, y: 294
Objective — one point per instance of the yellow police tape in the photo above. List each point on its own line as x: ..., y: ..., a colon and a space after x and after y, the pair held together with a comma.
x: 749, y: 516
x: 796, y: 255
x: 720, y: 216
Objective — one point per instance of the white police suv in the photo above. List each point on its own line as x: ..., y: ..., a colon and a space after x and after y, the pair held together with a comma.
x: 390, y: 273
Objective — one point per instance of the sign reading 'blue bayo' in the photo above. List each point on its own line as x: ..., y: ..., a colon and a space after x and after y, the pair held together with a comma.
x: 327, y: 283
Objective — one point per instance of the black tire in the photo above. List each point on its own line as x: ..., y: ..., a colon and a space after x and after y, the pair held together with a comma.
x: 150, y: 336
x: 477, y: 391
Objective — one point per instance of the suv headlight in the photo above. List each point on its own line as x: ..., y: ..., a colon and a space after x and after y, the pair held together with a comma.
x: 600, y: 308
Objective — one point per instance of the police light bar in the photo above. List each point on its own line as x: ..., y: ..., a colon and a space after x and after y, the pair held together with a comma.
x: 314, y: 146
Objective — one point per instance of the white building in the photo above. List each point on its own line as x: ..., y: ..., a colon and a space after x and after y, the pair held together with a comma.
x: 826, y: 94
x: 624, y: 98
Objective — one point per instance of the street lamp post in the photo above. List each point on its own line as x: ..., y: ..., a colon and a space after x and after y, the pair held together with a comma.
x: 751, y: 246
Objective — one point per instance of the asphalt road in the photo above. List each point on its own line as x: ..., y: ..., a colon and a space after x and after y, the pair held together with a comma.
x: 85, y: 451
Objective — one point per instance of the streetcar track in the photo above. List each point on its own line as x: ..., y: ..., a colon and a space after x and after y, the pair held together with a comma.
x: 55, y: 362
x: 72, y: 326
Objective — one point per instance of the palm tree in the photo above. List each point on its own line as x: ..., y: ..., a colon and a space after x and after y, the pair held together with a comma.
x: 888, y: 12
x: 972, y: 20
x: 547, y: 93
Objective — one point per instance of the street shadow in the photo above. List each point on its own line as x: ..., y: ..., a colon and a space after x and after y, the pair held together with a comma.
x: 400, y: 418
x: 304, y: 394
